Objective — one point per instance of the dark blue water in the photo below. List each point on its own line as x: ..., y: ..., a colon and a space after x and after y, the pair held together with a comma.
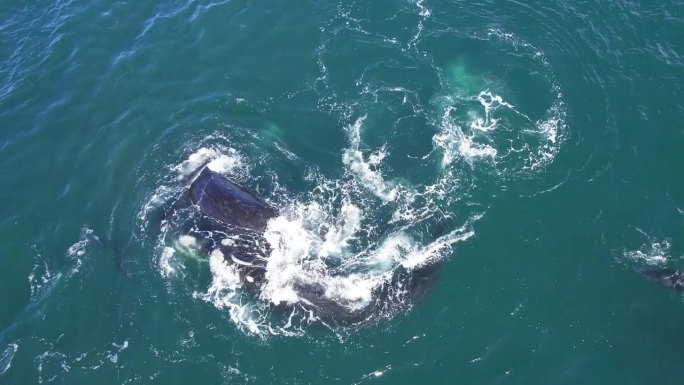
x: 527, y: 155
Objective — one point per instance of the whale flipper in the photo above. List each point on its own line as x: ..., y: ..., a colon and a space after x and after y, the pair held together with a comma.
x: 670, y: 278
x: 223, y: 200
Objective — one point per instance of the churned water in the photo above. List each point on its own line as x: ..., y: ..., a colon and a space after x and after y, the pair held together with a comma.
x: 528, y: 155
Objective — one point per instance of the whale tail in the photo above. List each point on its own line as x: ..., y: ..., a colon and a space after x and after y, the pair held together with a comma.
x: 670, y: 278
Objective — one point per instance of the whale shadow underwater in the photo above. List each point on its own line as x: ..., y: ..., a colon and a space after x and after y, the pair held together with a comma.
x: 232, y: 219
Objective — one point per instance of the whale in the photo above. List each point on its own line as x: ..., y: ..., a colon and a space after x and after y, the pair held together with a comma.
x: 669, y: 278
x: 227, y: 202
x: 233, y: 219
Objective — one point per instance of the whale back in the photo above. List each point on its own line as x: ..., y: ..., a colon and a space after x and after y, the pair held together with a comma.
x: 225, y: 201
x: 233, y: 222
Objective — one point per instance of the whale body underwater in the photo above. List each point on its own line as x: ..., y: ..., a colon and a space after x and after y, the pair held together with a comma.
x: 233, y: 220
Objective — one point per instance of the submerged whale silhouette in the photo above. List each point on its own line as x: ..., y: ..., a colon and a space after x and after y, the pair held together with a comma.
x: 234, y: 221
x: 670, y: 278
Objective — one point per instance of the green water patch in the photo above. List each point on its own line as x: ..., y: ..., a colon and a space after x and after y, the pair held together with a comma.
x: 462, y: 80
x: 272, y: 132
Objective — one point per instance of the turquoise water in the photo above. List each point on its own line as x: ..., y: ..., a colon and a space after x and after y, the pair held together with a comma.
x: 531, y: 149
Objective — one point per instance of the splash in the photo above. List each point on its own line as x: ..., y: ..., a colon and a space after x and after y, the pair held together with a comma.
x: 212, y: 158
x: 654, y: 254
x: 225, y: 292
x: 365, y: 170
x: 353, y: 238
x: 343, y: 243
x: 481, y: 125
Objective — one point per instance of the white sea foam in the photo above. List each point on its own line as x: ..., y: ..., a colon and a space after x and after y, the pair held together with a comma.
x: 336, y: 239
x: 435, y: 250
x: 424, y: 12
x: 366, y: 170
x: 301, y: 252
x: 656, y: 253
x: 225, y: 293
x: 56, y: 363
x: 455, y: 143
x: 6, y: 358
x: 497, y: 133
x: 222, y: 161
x: 44, y: 277
x: 78, y: 250
x: 326, y: 240
x: 188, y: 242
x: 165, y: 261
x: 550, y: 128
x: 113, y: 356
x: 161, y: 195
x: 322, y: 240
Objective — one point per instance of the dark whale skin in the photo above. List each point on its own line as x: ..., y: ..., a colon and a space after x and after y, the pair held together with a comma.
x: 225, y: 201
x: 669, y: 278
x: 232, y: 211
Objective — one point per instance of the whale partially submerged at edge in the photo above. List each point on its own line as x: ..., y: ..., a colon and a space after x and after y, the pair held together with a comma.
x: 669, y: 278
x: 234, y: 219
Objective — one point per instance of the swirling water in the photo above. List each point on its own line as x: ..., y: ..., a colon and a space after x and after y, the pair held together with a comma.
x: 531, y: 150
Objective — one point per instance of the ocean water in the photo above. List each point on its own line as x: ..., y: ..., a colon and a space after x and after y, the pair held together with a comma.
x: 530, y: 152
